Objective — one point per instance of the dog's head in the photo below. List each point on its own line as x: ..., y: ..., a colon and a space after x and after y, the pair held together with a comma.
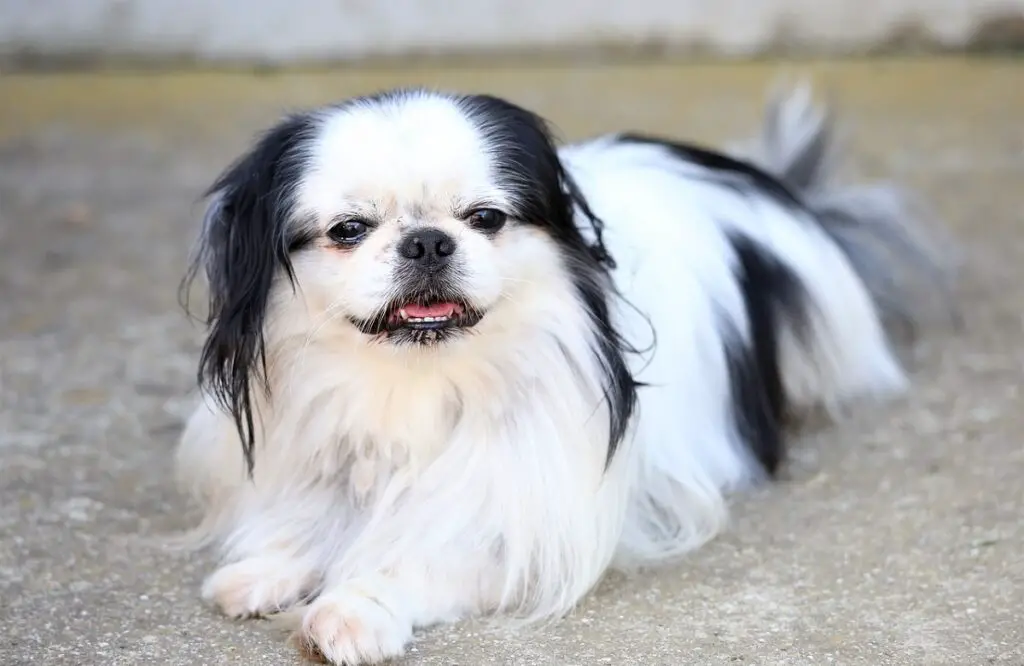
x: 410, y: 219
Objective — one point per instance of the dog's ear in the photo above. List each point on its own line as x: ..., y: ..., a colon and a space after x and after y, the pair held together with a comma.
x: 244, y: 246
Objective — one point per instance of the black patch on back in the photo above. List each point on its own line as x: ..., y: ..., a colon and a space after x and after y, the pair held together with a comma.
x: 773, y: 296
x: 547, y: 197
x: 734, y: 173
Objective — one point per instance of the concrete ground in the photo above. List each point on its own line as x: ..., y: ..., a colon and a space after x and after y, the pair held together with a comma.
x: 894, y: 538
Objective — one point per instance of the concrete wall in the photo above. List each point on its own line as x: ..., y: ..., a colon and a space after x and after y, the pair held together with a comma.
x: 288, y: 31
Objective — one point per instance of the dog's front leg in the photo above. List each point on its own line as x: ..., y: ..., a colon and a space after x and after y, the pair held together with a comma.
x: 372, y: 603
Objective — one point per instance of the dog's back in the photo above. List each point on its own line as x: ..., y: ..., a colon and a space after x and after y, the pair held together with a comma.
x: 755, y: 288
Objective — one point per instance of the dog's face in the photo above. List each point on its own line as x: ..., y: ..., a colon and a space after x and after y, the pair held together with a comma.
x: 417, y: 237
x: 410, y: 219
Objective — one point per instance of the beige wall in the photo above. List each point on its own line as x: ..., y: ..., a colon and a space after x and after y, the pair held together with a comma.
x: 294, y: 30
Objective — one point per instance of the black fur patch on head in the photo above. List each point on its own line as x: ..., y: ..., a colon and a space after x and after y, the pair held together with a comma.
x: 773, y: 298
x: 546, y: 196
x: 246, y: 241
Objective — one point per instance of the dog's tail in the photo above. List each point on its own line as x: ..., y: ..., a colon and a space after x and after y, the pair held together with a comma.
x: 879, y: 226
x: 895, y: 278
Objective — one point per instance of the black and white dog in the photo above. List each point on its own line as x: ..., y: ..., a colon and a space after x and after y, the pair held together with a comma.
x: 453, y: 370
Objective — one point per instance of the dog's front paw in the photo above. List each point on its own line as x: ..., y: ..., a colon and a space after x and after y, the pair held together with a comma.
x: 256, y: 586
x: 350, y: 626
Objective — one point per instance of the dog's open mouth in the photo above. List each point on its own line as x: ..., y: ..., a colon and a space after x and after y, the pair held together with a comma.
x: 428, y: 316
x: 422, y: 316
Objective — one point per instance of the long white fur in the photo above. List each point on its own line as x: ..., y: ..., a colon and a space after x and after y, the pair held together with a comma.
x: 400, y: 488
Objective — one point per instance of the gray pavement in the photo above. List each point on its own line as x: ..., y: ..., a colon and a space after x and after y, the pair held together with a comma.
x: 894, y: 538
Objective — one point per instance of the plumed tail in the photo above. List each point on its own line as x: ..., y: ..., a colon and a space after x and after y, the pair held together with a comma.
x: 908, y: 270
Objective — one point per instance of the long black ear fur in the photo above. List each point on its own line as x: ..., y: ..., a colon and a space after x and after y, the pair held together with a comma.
x: 245, y: 245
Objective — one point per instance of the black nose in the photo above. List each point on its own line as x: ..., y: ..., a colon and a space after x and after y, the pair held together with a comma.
x: 427, y: 246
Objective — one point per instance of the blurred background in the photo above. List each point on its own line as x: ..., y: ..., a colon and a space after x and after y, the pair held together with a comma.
x: 896, y: 535
x: 290, y: 32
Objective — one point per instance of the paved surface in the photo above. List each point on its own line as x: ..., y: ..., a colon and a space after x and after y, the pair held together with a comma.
x: 895, y: 538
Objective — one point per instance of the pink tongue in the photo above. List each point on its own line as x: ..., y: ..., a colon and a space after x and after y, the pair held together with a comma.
x: 435, y: 310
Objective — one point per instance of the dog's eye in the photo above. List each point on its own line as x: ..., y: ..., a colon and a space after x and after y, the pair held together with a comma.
x: 487, y: 219
x: 348, y: 232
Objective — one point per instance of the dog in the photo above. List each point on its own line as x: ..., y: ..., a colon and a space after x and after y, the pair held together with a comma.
x: 452, y: 369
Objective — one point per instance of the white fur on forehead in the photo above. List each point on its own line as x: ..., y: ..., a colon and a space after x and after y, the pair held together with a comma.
x: 414, y: 150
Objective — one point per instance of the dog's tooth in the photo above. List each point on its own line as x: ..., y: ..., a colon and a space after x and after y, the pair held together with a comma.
x: 424, y: 320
